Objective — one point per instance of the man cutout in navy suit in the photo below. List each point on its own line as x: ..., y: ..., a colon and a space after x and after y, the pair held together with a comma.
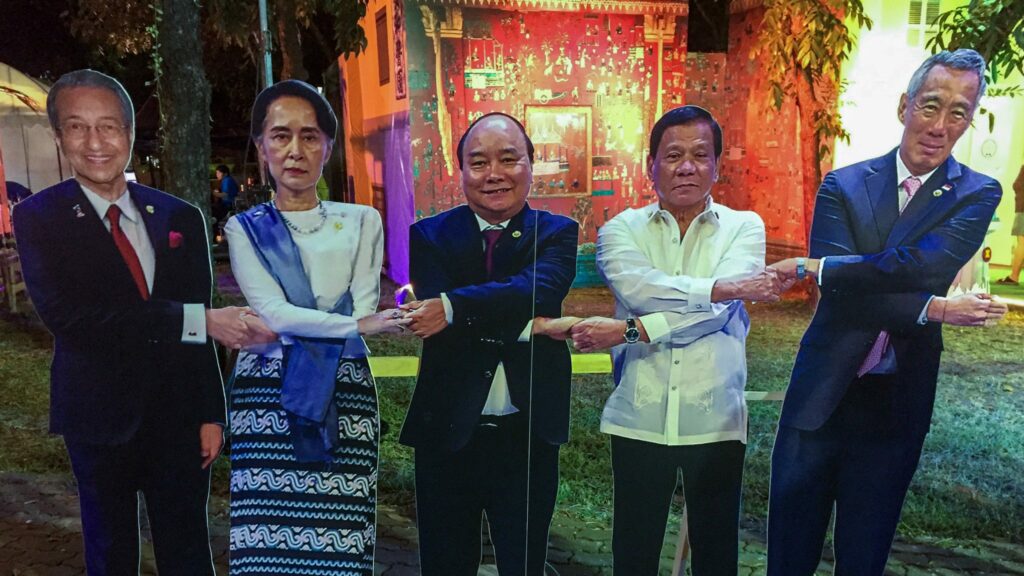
x: 887, y: 239
x: 491, y: 407
x: 120, y: 275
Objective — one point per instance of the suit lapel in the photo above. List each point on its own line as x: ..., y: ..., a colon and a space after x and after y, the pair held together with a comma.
x: 516, y: 240
x: 882, y: 198
x: 97, y: 243
x: 936, y: 196
x: 464, y: 244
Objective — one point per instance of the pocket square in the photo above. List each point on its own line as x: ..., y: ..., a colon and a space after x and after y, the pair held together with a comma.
x: 175, y: 239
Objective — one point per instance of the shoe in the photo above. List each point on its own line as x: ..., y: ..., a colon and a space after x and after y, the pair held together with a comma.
x: 1007, y: 281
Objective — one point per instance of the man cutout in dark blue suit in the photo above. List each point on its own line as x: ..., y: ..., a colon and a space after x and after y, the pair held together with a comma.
x: 887, y: 239
x: 491, y: 407
x: 120, y: 275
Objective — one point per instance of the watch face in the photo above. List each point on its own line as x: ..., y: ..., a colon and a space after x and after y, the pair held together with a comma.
x: 632, y: 335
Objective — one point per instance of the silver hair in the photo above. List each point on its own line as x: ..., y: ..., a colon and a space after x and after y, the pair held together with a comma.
x: 961, y: 59
x: 90, y: 79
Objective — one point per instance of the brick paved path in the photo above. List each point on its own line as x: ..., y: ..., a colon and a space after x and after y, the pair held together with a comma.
x: 40, y: 536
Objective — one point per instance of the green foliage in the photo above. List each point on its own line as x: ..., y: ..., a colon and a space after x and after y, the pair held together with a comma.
x: 115, y: 28
x: 995, y: 28
x: 806, y: 41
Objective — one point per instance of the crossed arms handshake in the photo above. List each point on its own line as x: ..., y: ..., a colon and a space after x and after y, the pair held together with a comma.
x: 767, y: 285
x: 961, y: 310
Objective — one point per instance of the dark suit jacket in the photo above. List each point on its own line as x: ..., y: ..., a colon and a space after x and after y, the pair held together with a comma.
x: 535, y: 268
x: 882, y: 267
x: 118, y: 359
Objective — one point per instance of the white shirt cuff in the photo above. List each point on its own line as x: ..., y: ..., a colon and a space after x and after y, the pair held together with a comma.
x: 700, y: 295
x: 821, y: 270
x: 922, y: 318
x: 449, y: 315
x: 656, y: 327
x: 524, y: 336
x: 193, y: 326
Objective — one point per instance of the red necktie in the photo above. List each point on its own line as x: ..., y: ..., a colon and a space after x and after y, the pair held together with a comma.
x: 910, y: 186
x: 491, y: 236
x: 127, y: 252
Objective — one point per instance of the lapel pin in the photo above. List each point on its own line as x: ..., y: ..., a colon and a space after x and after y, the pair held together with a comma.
x: 516, y: 234
x: 149, y: 208
x: 338, y: 226
x: 78, y: 211
x: 937, y: 193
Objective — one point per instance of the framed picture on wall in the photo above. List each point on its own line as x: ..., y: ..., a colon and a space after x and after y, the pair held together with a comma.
x: 562, y: 140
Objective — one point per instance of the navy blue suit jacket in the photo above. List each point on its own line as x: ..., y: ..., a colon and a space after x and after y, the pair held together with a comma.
x: 535, y: 263
x: 882, y: 267
x: 118, y: 359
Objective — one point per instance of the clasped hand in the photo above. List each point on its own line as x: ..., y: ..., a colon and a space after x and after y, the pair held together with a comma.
x: 766, y: 285
x: 237, y: 327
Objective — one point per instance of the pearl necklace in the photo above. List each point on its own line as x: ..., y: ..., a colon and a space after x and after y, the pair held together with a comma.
x: 303, y: 231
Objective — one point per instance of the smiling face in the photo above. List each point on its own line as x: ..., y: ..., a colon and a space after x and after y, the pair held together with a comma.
x: 937, y: 117
x: 293, y: 146
x: 92, y: 135
x: 496, y: 171
x: 684, y: 166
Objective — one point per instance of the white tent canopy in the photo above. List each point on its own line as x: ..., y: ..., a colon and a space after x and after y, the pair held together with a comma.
x: 30, y: 156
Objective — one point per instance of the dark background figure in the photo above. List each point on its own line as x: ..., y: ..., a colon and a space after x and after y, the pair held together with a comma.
x: 225, y: 194
x: 1017, y: 230
x: 16, y: 192
x: 491, y: 408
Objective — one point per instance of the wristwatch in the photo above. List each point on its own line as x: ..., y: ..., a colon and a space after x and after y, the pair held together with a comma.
x: 801, y: 268
x: 632, y: 333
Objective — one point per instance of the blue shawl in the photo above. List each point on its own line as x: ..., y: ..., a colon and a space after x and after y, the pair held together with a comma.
x: 310, y: 365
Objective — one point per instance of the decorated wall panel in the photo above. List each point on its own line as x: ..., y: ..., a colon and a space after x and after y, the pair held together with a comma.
x: 585, y: 86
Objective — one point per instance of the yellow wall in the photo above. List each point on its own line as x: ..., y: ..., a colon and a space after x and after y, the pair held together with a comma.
x: 370, y: 106
x: 877, y: 74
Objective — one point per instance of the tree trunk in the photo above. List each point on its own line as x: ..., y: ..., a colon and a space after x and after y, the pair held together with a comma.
x: 184, y: 103
x: 810, y: 149
x: 810, y: 164
x: 336, y: 170
x: 289, y: 40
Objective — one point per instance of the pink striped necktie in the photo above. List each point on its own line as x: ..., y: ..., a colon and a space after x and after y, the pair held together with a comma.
x: 911, y: 185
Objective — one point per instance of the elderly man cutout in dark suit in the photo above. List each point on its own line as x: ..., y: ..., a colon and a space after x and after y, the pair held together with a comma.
x: 120, y: 275
x: 491, y: 407
x: 888, y: 237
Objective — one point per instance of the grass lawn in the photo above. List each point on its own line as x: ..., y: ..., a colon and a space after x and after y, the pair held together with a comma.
x: 967, y: 486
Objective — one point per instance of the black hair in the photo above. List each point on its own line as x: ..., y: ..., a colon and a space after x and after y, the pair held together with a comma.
x: 325, y: 118
x: 223, y: 169
x: 462, y: 141
x: 685, y: 115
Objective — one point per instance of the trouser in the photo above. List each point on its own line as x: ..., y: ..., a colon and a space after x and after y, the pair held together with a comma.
x: 645, y: 480
x: 176, y: 489
x: 859, y: 463
x: 487, y: 476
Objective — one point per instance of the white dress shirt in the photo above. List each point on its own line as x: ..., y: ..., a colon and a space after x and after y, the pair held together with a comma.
x: 346, y: 253
x: 686, y: 386
x: 193, y: 330
x: 499, y: 401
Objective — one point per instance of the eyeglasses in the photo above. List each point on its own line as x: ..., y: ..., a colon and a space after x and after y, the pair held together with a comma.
x: 79, y: 130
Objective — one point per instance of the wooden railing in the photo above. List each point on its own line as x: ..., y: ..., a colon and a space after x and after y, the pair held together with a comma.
x: 11, y: 279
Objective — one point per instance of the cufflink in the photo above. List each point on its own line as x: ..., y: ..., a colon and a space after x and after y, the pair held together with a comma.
x: 193, y: 333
